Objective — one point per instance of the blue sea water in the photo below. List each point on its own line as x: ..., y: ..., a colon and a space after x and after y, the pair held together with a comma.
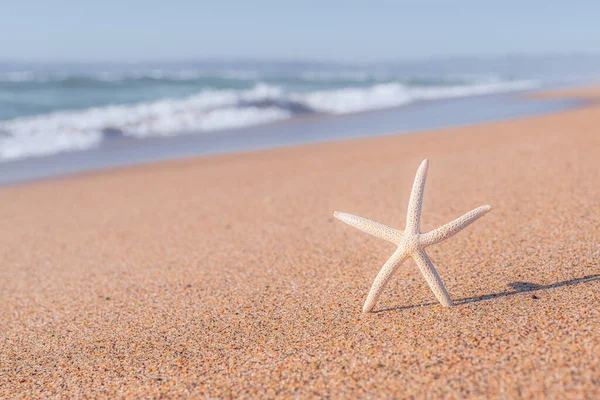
x: 122, y: 151
x: 49, y: 109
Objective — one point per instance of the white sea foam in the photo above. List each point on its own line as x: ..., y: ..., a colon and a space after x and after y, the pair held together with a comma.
x: 426, y: 93
x: 40, y: 143
x: 211, y: 110
x: 76, y: 130
x: 350, y: 100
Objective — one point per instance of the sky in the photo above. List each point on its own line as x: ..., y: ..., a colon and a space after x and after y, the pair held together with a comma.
x: 344, y: 30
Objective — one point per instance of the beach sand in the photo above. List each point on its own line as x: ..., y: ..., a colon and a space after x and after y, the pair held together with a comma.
x: 227, y: 275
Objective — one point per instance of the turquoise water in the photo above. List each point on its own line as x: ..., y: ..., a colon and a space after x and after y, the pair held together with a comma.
x: 120, y: 151
x: 28, y: 93
x: 47, y: 110
x: 62, y: 108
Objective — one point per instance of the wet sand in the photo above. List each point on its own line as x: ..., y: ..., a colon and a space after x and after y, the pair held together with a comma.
x: 227, y: 276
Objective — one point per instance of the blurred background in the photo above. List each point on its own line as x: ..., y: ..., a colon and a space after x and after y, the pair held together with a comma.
x: 89, y: 84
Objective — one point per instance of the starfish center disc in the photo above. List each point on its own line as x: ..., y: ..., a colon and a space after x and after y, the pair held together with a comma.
x: 411, y: 243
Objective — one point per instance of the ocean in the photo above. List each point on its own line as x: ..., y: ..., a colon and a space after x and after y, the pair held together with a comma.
x: 47, y: 109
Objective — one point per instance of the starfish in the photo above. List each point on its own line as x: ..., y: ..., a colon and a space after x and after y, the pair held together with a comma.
x: 411, y: 242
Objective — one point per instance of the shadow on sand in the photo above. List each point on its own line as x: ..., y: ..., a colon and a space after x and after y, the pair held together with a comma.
x: 517, y: 287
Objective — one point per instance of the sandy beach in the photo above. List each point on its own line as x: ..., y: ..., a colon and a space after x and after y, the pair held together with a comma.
x: 227, y: 276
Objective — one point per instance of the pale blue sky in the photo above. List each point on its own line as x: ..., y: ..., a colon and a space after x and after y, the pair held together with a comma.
x: 138, y: 30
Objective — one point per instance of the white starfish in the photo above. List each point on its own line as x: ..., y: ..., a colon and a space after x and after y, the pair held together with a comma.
x: 411, y: 242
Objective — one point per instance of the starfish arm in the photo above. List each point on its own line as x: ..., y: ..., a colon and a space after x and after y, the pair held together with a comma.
x: 452, y: 228
x: 371, y: 227
x: 413, y: 217
x: 432, y: 278
x: 383, y: 277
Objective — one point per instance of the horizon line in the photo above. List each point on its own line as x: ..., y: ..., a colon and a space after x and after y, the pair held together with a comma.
x: 305, y: 60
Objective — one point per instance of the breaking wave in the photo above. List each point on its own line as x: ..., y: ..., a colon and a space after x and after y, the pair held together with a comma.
x: 211, y: 110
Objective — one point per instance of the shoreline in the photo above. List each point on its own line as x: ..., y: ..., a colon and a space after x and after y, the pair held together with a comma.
x: 418, y: 116
x: 227, y: 275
